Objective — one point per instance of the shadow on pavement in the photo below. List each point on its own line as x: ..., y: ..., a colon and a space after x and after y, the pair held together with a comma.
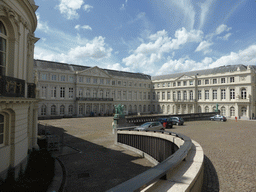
x: 92, y: 167
x: 211, y: 180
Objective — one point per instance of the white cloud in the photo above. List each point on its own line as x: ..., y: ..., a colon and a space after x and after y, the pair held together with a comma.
x: 88, y: 8
x: 69, y: 8
x: 204, y: 46
x: 222, y: 28
x: 225, y: 37
x: 204, y: 11
x: 85, y: 27
x: 43, y: 26
x: 118, y: 67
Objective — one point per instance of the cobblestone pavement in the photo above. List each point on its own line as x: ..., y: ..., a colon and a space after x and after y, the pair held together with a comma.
x: 229, y: 147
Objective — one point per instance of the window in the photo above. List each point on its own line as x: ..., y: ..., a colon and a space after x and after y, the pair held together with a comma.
x: 95, y: 80
x: 169, y: 84
x: 243, y: 111
x: 62, y: 78
x: 70, y: 109
x: 80, y: 109
x: 214, y: 94
x: 44, y: 76
x: 3, y: 37
x: 232, y: 79
x: 185, y: 95
x: 190, y: 82
x: 108, y: 82
x: 168, y: 95
x: 113, y: 82
x: 191, y: 95
x: 148, y: 95
x: 232, y: 111
x: 101, y: 93
x: 88, y: 93
x: 62, y: 110
x: 174, y: 96
x: 124, y: 83
x: 179, y: 83
x: 88, y: 80
x: 130, y: 95
x: 53, y: 92
x: 206, y: 82
x: 174, y: 84
x: 54, y: 77
x: 158, y: 96
x: 124, y: 95
x: 163, y: 95
x: 179, y: 95
x: 199, y: 94
x: 43, y: 110
x: 184, y: 83
x: 130, y: 84
x: 206, y: 94
x: 43, y: 91
x: 199, y: 82
x: 119, y: 83
x: 214, y: 81
x: 1, y: 129
x: 80, y: 79
x: 148, y: 108
x: 232, y: 93
x: 140, y: 95
x: 118, y: 95
x: 144, y: 96
x: 207, y: 109
x: 107, y: 94
x: 158, y: 85
x: 53, y: 110
x: 94, y: 93
x: 223, y: 111
x: 243, y: 93
x: 80, y: 93
x: 163, y: 85
x: 62, y: 92
x: 71, y: 93
x: 223, y: 94
x: 71, y: 79
x: 154, y: 96
x: 153, y: 108
x: 135, y: 95
x: 222, y: 80
x: 101, y: 81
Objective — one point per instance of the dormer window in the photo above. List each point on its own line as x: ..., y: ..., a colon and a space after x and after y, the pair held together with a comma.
x: 3, y: 37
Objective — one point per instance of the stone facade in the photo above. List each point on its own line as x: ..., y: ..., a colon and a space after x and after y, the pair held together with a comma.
x: 18, y: 105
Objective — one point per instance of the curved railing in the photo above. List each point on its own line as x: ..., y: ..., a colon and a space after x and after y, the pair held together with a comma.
x: 160, y: 145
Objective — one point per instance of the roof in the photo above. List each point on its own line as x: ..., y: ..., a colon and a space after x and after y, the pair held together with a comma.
x: 72, y: 68
x: 222, y: 69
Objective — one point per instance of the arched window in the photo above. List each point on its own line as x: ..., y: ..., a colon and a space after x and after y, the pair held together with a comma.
x: 207, y: 109
x: 70, y: 109
x: 243, y: 110
x: 3, y: 37
x: 53, y: 110
x: 232, y: 111
x: 223, y: 111
x: 43, y: 110
x: 62, y: 110
x: 1, y: 130
x: 243, y: 93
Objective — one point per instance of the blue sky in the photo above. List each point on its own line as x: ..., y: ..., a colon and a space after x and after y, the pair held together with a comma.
x: 153, y: 37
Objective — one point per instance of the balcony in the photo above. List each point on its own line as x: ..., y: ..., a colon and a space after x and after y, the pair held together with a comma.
x: 31, y: 90
x: 93, y: 99
x: 12, y: 87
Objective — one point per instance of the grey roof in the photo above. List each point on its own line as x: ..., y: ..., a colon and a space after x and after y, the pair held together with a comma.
x: 222, y: 69
x: 71, y: 67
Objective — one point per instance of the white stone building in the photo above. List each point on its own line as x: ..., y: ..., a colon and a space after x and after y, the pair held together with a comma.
x: 18, y: 105
x: 73, y: 90
x: 230, y: 87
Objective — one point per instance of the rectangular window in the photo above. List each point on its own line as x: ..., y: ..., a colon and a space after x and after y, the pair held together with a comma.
x: 88, y: 80
x: 232, y: 93
x: 144, y: 96
x: 199, y: 82
x: 80, y: 93
x: 71, y: 79
x: 184, y: 83
x: 54, y: 77
x: 62, y: 78
x: 101, y: 81
x: 199, y: 94
x: 206, y: 94
x: 119, y: 83
x: 168, y: 95
x: 70, y: 93
x: 44, y: 76
x: 223, y: 80
x: 179, y: 83
x: 174, y: 84
x: 43, y: 91
x: 232, y: 79
x: 113, y: 82
x: 163, y: 95
x: 148, y: 95
x: 53, y: 92
x: 206, y: 81
x: 223, y: 94
x: 190, y: 82
x: 158, y: 96
x: 179, y: 95
x: 62, y: 92
x: 95, y: 80
x: 80, y: 79
x: 169, y: 84
x: 185, y: 95
x: 214, y: 94
x: 214, y: 81
x: 174, y: 96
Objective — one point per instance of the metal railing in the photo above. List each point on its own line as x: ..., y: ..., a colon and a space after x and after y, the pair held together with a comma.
x: 93, y: 99
x: 12, y: 87
x: 31, y: 90
x: 161, y: 149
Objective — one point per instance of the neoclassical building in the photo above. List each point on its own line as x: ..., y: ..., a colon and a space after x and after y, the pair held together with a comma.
x: 230, y: 88
x: 18, y: 105
x: 73, y: 90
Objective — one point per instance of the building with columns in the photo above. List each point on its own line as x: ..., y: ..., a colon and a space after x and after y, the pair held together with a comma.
x: 18, y: 105
x: 73, y: 90
x: 230, y: 88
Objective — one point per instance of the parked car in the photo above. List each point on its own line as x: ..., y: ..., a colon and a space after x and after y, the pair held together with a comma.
x: 150, y: 126
x: 166, y: 122
x: 218, y: 118
x: 177, y: 120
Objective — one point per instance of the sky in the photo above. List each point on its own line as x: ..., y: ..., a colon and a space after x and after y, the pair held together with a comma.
x: 153, y: 37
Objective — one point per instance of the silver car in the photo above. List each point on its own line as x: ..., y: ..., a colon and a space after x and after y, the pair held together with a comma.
x: 150, y: 126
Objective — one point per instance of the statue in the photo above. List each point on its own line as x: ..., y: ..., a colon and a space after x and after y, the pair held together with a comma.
x: 119, y: 109
x: 216, y: 110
